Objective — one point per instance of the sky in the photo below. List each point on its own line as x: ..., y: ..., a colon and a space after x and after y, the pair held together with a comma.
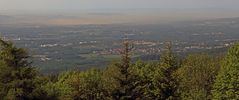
x: 116, y: 4
x: 117, y: 11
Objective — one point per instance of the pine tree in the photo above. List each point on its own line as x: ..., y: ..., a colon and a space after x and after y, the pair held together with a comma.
x: 16, y: 74
x: 125, y: 79
x: 144, y: 75
x: 226, y: 86
x: 164, y: 74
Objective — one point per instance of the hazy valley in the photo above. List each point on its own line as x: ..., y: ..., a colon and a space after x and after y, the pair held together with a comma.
x: 61, y: 47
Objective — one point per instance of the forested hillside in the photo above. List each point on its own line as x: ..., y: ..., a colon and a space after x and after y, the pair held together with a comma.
x: 194, y: 77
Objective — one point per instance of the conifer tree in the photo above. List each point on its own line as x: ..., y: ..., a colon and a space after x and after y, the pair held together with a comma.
x: 16, y: 73
x: 164, y: 74
x: 226, y: 86
x: 125, y: 79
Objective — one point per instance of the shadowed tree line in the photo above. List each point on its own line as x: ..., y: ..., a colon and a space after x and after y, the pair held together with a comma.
x: 194, y: 77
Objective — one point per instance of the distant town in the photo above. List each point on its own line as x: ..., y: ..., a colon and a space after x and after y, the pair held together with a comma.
x: 88, y: 45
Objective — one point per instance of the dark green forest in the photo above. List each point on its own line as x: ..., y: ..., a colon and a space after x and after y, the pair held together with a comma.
x: 194, y: 77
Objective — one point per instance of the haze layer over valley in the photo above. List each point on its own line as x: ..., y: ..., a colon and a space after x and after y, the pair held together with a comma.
x: 109, y: 16
x: 61, y: 47
x: 66, y: 34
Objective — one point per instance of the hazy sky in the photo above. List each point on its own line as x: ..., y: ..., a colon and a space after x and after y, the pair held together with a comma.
x: 118, y: 4
x: 96, y: 11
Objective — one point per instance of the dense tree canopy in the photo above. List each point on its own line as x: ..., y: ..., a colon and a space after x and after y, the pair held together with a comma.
x: 17, y: 76
x: 195, y: 77
x: 226, y: 86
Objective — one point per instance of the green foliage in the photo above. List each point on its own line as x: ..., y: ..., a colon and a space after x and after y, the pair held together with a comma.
x: 165, y: 80
x: 164, y: 74
x: 76, y: 85
x: 109, y: 78
x: 145, y: 83
x: 196, y: 76
x: 16, y: 74
x: 226, y: 86
x: 88, y: 85
x: 124, y: 78
x: 60, y: 89
x: 18, y: 79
